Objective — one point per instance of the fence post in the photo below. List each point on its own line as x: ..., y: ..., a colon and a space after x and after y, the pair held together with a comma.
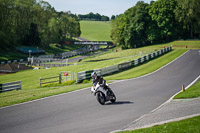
x: 40, y: 81
x: 1, y: 88
x: 77, y: 80
x: 20, y: 85
x: 72, y: 75
x: 60, y: 78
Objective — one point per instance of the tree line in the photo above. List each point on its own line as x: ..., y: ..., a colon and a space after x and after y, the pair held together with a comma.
x: 93, y: 17
x: 157, y: 22
x: 34, y: 23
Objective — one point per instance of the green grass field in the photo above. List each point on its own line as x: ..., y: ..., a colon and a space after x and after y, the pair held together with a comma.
x: 192, y: 92
x: 190, y: 125
x: 95, y: 30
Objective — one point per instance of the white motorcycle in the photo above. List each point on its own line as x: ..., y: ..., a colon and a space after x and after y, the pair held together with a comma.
x: 103, y: 95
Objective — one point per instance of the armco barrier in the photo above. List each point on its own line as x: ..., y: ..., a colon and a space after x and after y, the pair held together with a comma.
x: 10, y: 86
x: 98, y: 71
x: 12, y: 61
x: 83, y: 75
x: 50, y: 58
x: 125, y: 65
x: 111, y: 69
x: 52, y: 65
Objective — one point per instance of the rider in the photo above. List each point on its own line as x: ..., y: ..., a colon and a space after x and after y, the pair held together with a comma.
x: 98, y: 79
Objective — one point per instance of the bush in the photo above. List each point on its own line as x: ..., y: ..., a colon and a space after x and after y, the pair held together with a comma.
x: 86, y: 81
x: 71, y: 82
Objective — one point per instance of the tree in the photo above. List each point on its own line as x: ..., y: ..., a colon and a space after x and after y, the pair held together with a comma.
x: 112, y: 17
x: 188, y: 15
x: 160, y: 21
x: 98, y: 17
x: 54, y: 28
x: 94, y: 17
x: 7, y: 33
x: 32, y: 38
x: 105, y: 18
x: 153, y: 31
x: 129, y: 29
x: 139, y: 22
x: 162, y: 12
x: 117, y: 32
x: 31, y: 22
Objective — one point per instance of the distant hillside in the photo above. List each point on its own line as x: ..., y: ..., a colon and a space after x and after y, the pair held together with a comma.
x: 96, y: 30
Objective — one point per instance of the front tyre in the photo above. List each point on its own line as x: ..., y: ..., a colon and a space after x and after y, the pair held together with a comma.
x: 101, y: 98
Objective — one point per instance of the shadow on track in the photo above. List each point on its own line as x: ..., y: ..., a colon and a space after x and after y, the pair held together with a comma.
x: 120, y: 102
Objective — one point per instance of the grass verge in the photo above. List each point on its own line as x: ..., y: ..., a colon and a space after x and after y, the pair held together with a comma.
x: 190, y: 125
x: 192, y: 92
x: 16, y: 97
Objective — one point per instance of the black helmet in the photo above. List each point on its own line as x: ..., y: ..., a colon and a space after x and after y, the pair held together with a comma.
x: 94, y: 75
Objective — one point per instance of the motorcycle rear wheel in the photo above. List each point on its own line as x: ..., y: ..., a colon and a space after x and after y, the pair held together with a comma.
x: 113, y: 96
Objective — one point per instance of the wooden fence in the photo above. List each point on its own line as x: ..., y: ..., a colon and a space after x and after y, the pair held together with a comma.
x: 56, y: 77
x: 62, y: 77
x: 10, y: 86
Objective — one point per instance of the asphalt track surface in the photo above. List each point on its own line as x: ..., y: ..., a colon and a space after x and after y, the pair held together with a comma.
x: 79, y: 112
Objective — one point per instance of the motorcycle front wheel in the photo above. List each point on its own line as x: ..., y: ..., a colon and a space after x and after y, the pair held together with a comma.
x: 101, y: 98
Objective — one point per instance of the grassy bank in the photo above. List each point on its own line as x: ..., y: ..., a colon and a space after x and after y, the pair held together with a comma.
x: 95, y: 30
x: 190, y: 125
x: 192, y: 92
x: 24, y: 95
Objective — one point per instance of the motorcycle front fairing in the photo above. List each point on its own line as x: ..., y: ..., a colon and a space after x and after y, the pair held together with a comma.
x: 97, y: 88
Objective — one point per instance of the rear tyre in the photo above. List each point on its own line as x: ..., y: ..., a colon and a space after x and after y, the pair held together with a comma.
x: 113, y: 96
x: 101, y: 98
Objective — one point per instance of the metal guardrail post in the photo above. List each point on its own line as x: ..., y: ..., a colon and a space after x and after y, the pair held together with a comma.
x: 40, y: 81
x: 20, y: 85
x: 10, y: 86
x: 1, y: 88
x: 60, y: 78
